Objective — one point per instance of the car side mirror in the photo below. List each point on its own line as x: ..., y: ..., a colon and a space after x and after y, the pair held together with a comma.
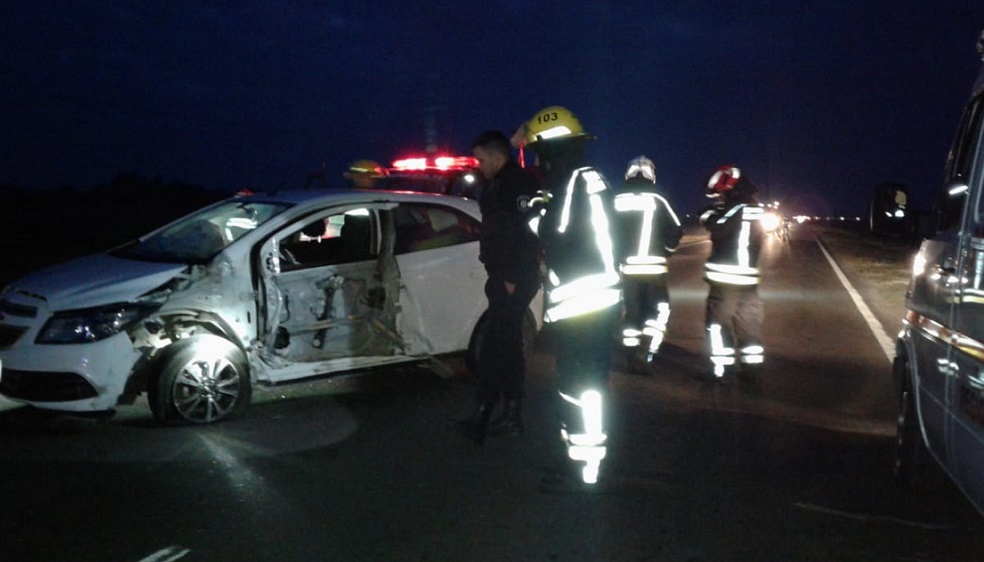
x: 949, y: 207
x: 957, y: 188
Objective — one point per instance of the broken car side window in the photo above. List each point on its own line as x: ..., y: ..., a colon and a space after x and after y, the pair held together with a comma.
x: 336, y: 239
x: 427, y: 227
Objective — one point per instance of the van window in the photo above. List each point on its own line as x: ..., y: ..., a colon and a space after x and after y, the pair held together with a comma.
x: 959, y: 167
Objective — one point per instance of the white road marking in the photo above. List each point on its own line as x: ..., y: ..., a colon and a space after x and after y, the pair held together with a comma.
x: 168, y: 554
x: 866, y: 517
x: 884, y: 340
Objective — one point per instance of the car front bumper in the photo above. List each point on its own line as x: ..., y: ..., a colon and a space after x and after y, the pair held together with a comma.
x: 75, y: 378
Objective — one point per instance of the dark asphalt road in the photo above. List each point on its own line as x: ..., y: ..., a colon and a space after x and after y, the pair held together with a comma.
x: 793, y: 466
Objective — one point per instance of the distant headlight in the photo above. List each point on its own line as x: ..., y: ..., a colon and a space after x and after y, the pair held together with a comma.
x: 93, y: 324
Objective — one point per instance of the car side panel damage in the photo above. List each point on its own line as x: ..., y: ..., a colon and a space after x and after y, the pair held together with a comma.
x: 292, y: 286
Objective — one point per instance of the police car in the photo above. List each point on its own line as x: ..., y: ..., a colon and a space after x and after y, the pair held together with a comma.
x: 254, y: 289
x: 451, y: 175
x: 939, y: 363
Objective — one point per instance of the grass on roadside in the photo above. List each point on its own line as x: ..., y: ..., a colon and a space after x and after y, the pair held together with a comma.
x: 882, y: 264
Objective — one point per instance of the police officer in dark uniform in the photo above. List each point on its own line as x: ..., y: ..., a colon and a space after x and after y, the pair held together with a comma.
x: 510, y: 253
x: 582, y: 285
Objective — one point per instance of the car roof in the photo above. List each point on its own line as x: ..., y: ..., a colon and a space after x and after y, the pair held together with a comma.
x: 318, y: 197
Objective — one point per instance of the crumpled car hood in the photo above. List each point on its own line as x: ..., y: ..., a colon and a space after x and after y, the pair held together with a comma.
x: 96, y: 280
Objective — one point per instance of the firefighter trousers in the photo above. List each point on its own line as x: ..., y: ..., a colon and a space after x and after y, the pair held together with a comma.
x: 584, y: 354
x: 584, y: 358
x: 646, y: 310
x: 734, y: 326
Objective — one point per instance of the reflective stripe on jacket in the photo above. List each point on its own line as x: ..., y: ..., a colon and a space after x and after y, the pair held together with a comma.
x: 736, y: 237
x: 576, y: 231
x: 649, y: 229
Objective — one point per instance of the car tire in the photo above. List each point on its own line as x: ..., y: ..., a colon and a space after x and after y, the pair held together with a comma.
x: 202, y: 381
x: 909, y: 449
x: 480, y: 333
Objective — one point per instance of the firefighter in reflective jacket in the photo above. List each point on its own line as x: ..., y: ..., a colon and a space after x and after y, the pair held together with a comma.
x: 649, y: 232
x: 365, y: 174
x: 734, y: 309
x: 582, y: 281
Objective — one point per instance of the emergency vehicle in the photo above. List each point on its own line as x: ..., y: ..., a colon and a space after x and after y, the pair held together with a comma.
x: 451, y: 175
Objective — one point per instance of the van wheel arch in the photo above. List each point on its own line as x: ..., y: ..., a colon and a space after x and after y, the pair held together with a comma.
x: 910, y: 451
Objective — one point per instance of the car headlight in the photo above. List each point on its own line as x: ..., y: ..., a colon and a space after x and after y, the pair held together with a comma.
x: 93, y: 324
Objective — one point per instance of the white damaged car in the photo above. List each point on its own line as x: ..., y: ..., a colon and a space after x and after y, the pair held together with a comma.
x: 257, y: 289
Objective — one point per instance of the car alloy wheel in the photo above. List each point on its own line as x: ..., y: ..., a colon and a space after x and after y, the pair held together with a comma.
x: 203, y: 381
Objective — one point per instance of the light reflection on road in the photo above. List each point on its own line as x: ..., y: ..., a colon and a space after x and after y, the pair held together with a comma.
x: 132, y: 436
x: 281, y: 419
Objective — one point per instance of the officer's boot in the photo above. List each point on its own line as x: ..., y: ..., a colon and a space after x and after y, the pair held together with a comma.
x: 511, y: 421
x: 476, y: 427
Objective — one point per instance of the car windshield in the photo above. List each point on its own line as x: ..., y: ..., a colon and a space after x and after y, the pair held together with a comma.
x: 197, y: 237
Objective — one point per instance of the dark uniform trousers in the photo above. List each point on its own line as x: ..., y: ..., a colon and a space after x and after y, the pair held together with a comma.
x: 502, y: 363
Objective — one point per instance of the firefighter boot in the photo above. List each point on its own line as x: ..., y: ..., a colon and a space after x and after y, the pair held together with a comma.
x: 511, y: 421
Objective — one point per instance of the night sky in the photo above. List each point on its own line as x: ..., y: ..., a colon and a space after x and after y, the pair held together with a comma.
x: 817, y: 100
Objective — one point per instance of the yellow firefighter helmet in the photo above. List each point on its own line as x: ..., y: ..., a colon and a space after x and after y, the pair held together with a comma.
x: 554, y: 122
x: 367, y: 167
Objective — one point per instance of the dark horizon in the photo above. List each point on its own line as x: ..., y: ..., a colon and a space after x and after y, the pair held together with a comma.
x: 818, y: 103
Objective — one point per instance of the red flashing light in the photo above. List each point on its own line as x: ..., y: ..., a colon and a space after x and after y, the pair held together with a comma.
x: 410, y: 164
x: 438, y: 163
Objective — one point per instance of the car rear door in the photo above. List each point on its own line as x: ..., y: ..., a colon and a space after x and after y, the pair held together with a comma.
x: 443, y: 294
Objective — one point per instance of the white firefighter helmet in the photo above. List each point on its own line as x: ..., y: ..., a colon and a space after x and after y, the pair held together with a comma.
x: 641, y: 166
